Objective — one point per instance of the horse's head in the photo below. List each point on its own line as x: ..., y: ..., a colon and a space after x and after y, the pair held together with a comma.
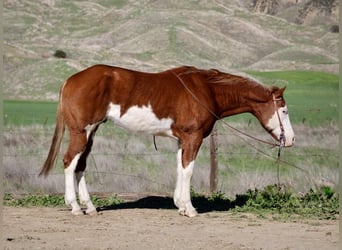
x: 274, y: 117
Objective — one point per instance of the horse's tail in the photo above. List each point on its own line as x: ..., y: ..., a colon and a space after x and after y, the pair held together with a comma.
x: 56, y: 141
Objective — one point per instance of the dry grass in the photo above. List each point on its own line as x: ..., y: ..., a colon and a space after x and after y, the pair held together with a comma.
x: 122, y: 162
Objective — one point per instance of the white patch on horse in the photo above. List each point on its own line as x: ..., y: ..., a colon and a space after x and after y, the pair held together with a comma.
x: 140, y: 119
x: 273, y: 124
x: 70, y: 193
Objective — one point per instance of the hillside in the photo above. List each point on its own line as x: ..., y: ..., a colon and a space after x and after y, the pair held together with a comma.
x: 155, y: 35
x: 308, y: 12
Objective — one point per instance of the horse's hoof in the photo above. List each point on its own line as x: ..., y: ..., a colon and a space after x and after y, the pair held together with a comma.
x: 92, y: 212
x: 76, y: 212
x: 191, y: 213
x: 181, y: 211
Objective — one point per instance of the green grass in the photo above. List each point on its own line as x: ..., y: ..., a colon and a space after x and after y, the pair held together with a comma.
x: 23, y: 113
x: 303, y: 56
x: 54, y: 200
x: 312, y: 98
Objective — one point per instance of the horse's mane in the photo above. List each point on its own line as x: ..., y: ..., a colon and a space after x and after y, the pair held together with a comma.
x: 256, y: 90
x: 216, y: 77
x: 219, y: 79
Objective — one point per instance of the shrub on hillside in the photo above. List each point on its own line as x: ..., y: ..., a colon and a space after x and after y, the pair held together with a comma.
x: 60, y: 54
x: 335, y: 28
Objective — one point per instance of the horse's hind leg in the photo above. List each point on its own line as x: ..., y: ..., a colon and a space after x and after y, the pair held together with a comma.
x: 82, y: 163
x: 77, y: 145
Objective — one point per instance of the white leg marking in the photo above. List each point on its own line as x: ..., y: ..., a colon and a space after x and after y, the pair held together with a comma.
x: 70, y: 194
x: 181, y: 196
x: 84, y: 194
x: 178, y: 190
x: 185, y: 193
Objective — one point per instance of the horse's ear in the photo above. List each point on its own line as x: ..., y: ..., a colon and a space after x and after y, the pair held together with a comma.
x: 278, y: 92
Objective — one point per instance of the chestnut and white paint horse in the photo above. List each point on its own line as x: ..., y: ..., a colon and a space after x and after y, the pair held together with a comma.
x: 183, y: 103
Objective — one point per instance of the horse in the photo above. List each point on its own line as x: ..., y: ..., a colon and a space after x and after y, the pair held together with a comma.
x: 182, y: 103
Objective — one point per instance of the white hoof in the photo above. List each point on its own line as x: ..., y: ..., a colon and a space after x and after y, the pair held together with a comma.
x: 181, y: 211
x: 76, y: 212
x: 189, y: 213
x: 91, y: 212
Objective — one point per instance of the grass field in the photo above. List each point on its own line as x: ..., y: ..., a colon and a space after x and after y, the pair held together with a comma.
x: 23, y: 113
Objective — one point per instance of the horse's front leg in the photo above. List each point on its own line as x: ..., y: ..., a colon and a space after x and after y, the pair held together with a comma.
x: 185, y: 206
x: 185, y: 165
x: 179, y: 183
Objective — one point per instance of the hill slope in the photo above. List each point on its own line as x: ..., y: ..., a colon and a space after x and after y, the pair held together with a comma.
x: 152, y: 36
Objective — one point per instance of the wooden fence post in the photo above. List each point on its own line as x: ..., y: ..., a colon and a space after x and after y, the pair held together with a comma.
x: 213, y: 160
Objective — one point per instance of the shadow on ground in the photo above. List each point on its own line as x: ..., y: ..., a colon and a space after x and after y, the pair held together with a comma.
x: 202, y: 204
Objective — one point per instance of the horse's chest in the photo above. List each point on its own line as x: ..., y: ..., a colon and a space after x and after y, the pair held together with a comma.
x: 140, y: 119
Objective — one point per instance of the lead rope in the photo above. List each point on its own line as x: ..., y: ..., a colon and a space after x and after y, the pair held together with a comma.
x: 281, y: 139
x: 154, y: 143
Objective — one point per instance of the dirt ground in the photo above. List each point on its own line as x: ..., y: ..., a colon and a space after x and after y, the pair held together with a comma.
x: 160, y: 228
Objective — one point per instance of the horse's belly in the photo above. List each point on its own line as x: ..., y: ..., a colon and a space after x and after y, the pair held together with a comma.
x: 140, y: 119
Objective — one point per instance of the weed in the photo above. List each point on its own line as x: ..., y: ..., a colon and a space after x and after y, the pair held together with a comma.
x: 103, y: 202
x: 51, y: 200
x: 321, y: 204
x: 54, y: 200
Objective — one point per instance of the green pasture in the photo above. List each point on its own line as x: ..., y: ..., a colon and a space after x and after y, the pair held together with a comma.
x: 312, y: 99
x: 22, y: 113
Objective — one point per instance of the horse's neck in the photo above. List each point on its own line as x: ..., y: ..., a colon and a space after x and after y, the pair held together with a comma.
x: 233, y: 98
